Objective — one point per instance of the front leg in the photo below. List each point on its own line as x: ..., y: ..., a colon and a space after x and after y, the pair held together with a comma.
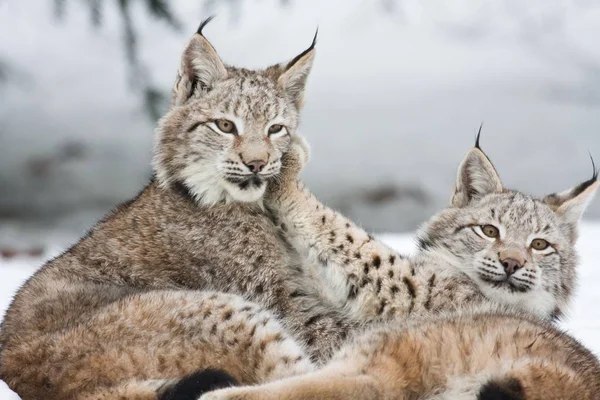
x: 372, y: 280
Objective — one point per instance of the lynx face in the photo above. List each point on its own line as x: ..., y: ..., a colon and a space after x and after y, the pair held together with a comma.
x: 517, y: 248
x: 228, y: 127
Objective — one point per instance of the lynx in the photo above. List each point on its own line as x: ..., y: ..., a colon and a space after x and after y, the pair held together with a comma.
x: 490, y: 244
x: 468, y: 317
x: 479, y: 354
x: 131, y: 308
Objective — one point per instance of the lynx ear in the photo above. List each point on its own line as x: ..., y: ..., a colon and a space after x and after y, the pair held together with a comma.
x: 476, y: 178
x: 295, y: 73
x: 571, y: 204
x: 200, y: 68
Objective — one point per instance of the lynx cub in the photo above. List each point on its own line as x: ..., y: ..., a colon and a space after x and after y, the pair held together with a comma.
x: 139, y: 302
x: 490, y: 244
x: 480, y: 354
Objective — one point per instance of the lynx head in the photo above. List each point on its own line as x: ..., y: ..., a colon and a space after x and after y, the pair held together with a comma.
x: 519, y: 249
x: 228, y: 127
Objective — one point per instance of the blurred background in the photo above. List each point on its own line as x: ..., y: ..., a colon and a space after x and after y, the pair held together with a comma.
x: 397, y: 92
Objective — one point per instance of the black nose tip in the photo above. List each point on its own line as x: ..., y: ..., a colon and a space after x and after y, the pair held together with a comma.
x: 256, y: 166
x: 511, y: 265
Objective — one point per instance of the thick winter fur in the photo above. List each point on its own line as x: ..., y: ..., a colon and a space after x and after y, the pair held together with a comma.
x: 215, y: 166
x: 457, y: 263
x: 467, y: 338
x: 470, y: 355
x: 133, y: 307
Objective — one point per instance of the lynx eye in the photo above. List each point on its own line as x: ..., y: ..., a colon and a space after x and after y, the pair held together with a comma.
x: 539, y: 244
x: 226, y: 126
x: 490, y: 231
x: 277, y: 128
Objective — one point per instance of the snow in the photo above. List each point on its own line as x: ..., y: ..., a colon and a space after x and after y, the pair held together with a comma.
x: 583, y: 321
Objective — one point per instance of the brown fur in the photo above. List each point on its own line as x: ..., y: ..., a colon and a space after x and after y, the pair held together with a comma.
x: 124, y: 311
x: 446, y: 358
x: 455, y: 266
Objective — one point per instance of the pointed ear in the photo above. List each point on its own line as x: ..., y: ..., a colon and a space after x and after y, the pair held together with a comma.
x: 295, y: 73
x: 476, y: 178
x: 200, y: 68
x: 571, y: 204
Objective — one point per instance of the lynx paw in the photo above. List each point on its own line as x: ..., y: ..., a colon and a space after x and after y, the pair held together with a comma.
x: 296, y: 158
x: 292, y: 164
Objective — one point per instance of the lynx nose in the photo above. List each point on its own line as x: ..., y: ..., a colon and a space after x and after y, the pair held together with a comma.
x: 511, y: 265
x: 255, y: 166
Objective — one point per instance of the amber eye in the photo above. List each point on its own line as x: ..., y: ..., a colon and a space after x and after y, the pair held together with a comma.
x: 490, y: 231
x: 275, y: 129
x: 226, y: 126
x: 539, y: 244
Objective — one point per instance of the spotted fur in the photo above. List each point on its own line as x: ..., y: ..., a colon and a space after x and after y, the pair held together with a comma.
x: 476, y: 354
x: 456, y: 263
x: 139, y: 302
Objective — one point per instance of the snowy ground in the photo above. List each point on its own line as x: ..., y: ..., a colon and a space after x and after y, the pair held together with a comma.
x: 583, y: 321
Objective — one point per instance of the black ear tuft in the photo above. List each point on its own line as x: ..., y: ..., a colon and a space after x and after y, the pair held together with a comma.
x: 595, y: 171
x: 299, y: 56
x: 478, y: 136
x: 314, y: 42
x: 194, y: 385
x: 203, y: 24
x: 508, y: 389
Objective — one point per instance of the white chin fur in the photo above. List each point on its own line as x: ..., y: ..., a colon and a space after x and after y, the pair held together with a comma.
x: 248, y: 195
x: 536, y: 301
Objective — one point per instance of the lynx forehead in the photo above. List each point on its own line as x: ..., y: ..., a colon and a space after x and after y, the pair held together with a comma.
x: 228, y: 127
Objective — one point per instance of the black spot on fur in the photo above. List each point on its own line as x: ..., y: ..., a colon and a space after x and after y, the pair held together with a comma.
x: 376, y: 261
x: 411, y: 291
x: 430, y: 285
x: 194, y: 385
x: 509, y: 389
